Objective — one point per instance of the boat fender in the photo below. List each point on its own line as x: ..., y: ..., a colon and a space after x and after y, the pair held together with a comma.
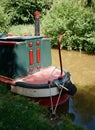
x: 61, y: 81
x: 66, y: 84
x: 71, y: 87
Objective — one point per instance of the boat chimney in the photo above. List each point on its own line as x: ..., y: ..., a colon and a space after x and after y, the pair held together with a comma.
x: 37, y: 23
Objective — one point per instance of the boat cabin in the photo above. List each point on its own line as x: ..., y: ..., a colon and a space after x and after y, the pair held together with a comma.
x: 23, y: 55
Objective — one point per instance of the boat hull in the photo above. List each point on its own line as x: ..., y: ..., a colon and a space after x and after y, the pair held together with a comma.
x: 35, y: 92
x: 42, y: 96
x: 46, y: 100
x: 44, y: 86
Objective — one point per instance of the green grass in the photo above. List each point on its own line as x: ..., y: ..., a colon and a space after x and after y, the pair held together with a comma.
x: 19, y: 113
x: 22, y: 29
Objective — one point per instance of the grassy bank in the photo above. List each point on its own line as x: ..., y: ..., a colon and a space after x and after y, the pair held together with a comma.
x: 19, y: 113
x: 22, y: 29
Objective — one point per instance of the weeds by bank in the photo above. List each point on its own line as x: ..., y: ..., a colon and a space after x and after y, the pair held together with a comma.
x: 74, y: 19
x: 19, y: 113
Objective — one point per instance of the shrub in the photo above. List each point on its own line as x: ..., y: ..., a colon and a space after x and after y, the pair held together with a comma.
x: 4, y: 21
x: 77, y: 22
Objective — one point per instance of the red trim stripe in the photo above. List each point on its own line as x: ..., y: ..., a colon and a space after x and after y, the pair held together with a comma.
x: 31, y: 57
x: 38, y: 55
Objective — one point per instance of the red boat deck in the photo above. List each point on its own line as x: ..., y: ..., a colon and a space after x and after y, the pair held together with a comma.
x: 7, y: 80
x: 42, y: 77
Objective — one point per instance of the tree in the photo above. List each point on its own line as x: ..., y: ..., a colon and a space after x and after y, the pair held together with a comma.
x: 22, y: 11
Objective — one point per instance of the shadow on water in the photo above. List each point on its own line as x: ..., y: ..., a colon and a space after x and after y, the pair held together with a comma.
x: 80, y: 108
x: 82, y: 69
x: 82, y: 105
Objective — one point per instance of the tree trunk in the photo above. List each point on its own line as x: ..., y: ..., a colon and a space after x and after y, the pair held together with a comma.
x: 89, y: 3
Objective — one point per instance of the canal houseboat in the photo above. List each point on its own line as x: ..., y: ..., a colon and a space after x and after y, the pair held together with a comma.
x: 26, y: 66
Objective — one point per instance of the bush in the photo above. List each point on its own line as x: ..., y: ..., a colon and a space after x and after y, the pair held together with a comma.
x: 72, y: 18
x: 4, y: 21
x: 22, y: 11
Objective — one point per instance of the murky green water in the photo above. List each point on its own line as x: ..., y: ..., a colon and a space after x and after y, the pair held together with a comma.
x: 82, y: 69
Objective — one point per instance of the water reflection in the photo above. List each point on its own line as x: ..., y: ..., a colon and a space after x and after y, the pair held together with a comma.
x: 83, y: 107
x: 82, y: 68
x: 84, y: 103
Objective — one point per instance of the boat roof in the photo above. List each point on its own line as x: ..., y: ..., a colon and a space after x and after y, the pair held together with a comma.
x: 19, y: 38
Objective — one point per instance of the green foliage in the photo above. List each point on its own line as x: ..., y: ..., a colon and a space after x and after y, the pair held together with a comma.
x: 72, y: 18
x: 22, y: 11
x: 4, y: 21
x: 19, y: 113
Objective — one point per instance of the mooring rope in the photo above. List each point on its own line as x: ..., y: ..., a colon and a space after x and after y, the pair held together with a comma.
x: 52, y: 107
x: 50, y: 97
x: 54, y: 111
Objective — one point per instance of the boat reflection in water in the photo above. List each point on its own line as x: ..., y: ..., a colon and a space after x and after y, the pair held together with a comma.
x: 81, y: 116
x: 83, y: 107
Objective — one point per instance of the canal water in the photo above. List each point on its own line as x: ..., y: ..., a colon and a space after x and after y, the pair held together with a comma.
x: 82, y: 69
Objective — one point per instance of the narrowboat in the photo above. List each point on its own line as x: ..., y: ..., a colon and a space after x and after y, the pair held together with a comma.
x: 26, y: 66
